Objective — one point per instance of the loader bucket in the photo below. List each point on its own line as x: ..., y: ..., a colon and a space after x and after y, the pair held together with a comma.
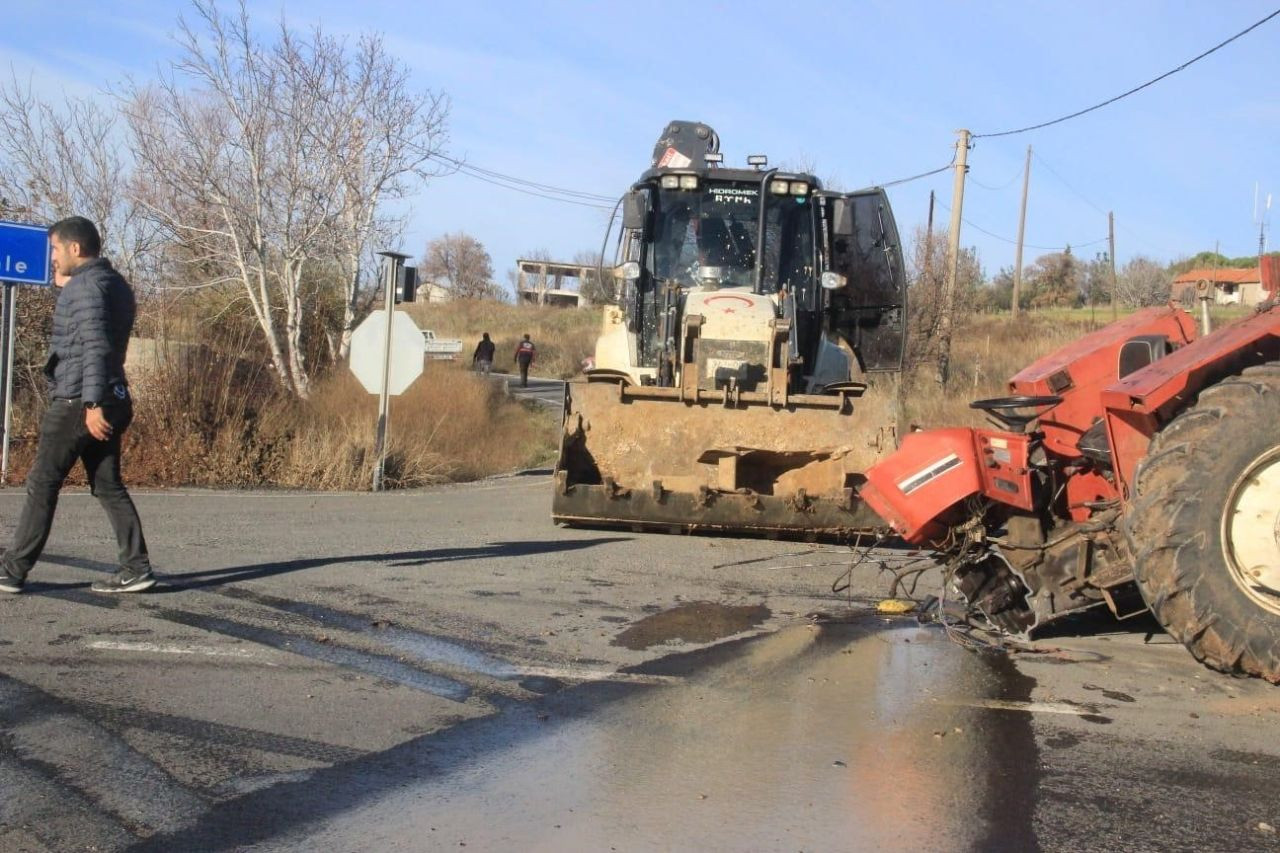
x: 689, y: 459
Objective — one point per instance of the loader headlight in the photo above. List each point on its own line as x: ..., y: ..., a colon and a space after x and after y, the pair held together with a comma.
x: 778, y: 187
x: 833, y: 280
x: 799, y: 188
x: 630, y: 271
x: 670, y: 182
x: 688, y: 182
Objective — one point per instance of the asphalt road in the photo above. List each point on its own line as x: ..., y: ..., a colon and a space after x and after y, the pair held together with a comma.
x: 441, y: 668
x: 548, y: 392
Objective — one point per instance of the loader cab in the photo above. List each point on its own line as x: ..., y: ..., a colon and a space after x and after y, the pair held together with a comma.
x: 698, y: 230
x: 831, y: 263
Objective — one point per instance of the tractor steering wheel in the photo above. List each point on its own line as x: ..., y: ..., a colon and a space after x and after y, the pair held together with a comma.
x: 999, y: 408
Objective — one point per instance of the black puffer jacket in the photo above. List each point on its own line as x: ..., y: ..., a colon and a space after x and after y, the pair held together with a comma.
x: 91, y: 327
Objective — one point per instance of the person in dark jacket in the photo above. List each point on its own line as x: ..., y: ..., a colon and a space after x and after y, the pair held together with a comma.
x: 525, y: 354
x: 483, y: 357
x: 88, y: 412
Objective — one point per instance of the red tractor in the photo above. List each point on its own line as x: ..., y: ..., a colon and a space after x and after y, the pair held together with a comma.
x: 1137, y: 468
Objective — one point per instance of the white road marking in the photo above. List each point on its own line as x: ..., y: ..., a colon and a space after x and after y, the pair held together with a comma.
x: 157, y: 648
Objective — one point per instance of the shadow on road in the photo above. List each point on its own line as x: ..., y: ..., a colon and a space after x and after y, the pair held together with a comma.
x: 231, y: 574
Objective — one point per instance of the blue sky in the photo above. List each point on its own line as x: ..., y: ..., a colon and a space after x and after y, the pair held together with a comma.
x: 574, y: 95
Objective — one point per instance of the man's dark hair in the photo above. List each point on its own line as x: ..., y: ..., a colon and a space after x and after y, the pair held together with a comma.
x: 77, y: 229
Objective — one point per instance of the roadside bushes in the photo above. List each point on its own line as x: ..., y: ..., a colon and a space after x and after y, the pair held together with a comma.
x: 207, y: 418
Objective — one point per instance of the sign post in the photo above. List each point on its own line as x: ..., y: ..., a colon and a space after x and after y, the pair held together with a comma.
x: 387, y: 352
x: 24, y: 259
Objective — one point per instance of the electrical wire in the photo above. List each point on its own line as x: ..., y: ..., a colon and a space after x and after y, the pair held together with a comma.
x: 464, y: 166
x: 971, y: 179
x: 539, y: 194
x: 993, y: 235
x: 1090, y: 202
x: 1066, y: 184
x: 936, y: 171
x: 1132, y: 91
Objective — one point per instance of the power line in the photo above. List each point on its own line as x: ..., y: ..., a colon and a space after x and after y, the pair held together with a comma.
x: 1135, y: 89
x: 993, y: 235
x: 1000, y: 188
x: 919, y: 176
x: 528, y: 187
x: 539, y: 194
x: 1094, y: 205
x: 468, y: 167
x: 1067, y: 184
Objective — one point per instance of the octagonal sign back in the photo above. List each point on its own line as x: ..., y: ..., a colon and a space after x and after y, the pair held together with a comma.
x: 408, y: 350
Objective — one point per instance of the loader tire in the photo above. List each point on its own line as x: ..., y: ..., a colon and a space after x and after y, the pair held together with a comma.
x: 1204, y: 527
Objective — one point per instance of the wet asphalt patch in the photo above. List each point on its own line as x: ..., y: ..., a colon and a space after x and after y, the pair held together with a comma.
x: 693, y: 622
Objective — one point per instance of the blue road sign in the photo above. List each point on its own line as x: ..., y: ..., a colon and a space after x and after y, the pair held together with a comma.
x: 24, y: 253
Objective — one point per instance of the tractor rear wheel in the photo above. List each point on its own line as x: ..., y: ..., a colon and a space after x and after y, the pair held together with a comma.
x: 1205, y: 531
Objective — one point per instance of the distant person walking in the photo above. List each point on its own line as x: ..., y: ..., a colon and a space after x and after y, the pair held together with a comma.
x: 526, y: 352
x: 482, y: 360
x: 89, y: 409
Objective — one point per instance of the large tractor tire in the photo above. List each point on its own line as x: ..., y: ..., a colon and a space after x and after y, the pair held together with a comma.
x: 1204, y: 527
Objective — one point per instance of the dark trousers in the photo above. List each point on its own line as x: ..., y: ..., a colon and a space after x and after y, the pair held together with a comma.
x: 64, y: 439
x: 524, y: 370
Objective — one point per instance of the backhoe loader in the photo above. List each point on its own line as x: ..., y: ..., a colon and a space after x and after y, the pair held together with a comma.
x: 727, y: 392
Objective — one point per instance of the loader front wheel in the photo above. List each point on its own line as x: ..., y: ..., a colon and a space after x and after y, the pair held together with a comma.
x: 1213, y: 578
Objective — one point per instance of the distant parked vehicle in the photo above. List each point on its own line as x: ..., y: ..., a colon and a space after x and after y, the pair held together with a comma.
x: 441, y: 349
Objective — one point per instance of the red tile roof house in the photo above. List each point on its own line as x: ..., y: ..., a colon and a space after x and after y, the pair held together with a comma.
x: 1231, y: 286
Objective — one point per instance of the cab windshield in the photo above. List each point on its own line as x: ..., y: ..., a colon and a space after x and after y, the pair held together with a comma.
x: 707, y: 237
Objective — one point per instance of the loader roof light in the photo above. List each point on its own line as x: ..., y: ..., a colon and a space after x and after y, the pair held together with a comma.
x: 758, y: 160
x: 799, y: 188
x: 670, y: 182
x: 715, y: 158
x: 688, y: 182
x: 779, y: 187
x: 833, y: 280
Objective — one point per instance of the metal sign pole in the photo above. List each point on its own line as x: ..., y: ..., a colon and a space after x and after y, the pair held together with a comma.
x: 10, y: 327
x: 394, y: 260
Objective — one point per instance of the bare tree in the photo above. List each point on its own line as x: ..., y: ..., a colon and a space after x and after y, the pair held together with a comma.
x: 927, y: 275
x: 383, y: 138
x: 1142, y: 281
x: 267, y: 163
x: 596, y: 289
x: 459, y: 264
x: 71, y: 158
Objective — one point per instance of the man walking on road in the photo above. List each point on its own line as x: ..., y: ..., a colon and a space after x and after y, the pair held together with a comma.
x: 483, y: 357
x: 88, y: 412
x: 525, y: 353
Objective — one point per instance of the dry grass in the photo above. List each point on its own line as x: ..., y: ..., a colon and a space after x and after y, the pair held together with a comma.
x: 208, y: 419
x: 563, y: 336
x: 987, y: 349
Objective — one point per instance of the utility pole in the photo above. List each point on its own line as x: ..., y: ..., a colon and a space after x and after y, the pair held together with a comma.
x: 1111, y: 246
x: 1022, y: 228
x: 928, y: 244
x: 953, y: 258
x: 928, y: 232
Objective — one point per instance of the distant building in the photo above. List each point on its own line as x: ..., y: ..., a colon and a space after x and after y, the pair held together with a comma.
x: 546, y: 283
x: 1231, y: 286
x: 430, y: 291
